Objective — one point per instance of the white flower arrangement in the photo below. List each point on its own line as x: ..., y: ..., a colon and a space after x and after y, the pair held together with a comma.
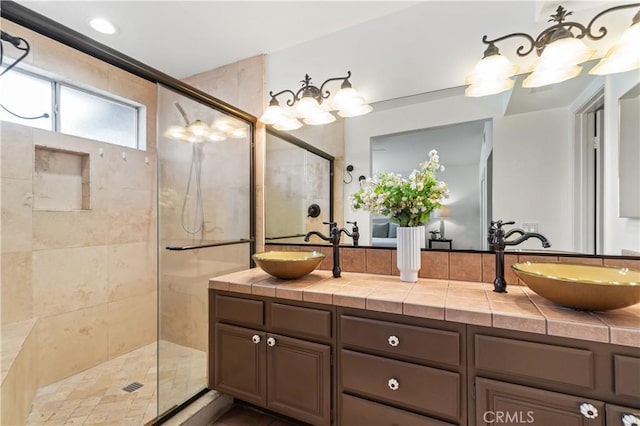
x: 407, y: 202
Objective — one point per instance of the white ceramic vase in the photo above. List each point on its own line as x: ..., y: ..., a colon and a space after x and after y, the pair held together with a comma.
x: 410, y: 239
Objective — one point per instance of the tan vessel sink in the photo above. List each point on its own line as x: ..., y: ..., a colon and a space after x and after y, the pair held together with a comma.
x: 584, y: 287
x: 288, y: 265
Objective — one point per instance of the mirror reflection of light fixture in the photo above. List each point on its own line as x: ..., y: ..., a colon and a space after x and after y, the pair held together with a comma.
x: 197, y: 131
x: 560, y: 54
x: 307, y: 105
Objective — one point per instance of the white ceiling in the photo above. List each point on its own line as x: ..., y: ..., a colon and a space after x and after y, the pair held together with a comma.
x: 182, y: 38
x: 393, y: 48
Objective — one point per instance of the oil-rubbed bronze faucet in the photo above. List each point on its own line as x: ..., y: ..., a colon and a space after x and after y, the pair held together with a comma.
x: 334, y: 238
x: 498, y: 239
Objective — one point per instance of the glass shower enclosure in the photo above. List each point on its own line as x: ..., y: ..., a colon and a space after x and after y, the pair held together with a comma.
x: 205, y: 229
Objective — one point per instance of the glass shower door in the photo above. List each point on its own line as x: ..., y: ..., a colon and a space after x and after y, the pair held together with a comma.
x: 204, y: 230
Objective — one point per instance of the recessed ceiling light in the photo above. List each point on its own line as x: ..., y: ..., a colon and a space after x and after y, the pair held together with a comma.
x: 102, y: 26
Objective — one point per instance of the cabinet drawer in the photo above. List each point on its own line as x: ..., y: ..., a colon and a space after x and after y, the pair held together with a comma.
x: 498, y: 402
x: 627, y: 376
x: 419, y: 388
x: 300, y: 321
x: 357, y: 411
x: 419, y: 343
x: 535, y: 360
x: 239, y: 310
x: 615, y: 414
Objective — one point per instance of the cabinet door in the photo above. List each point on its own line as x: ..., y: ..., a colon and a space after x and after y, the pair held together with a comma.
x: 508, y: 404
x: 622, y: 416
x: 299, y: 379
x: 240, y: 363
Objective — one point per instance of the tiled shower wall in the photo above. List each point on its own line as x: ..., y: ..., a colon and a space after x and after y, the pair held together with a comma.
x: 89, y: 275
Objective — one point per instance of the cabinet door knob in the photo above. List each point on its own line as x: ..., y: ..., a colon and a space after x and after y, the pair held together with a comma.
x: 630, y: 420
x: 588, y: 410
x: 271, y: 341
x: 255, y: 339
x: 393, y: 340
x: 393, y: 384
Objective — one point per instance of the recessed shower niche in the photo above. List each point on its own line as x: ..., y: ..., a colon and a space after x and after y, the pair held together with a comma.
x: 60, y: 180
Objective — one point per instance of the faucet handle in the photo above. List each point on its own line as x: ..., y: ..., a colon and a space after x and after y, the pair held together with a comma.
x: 499, y: 223
x: 332, y: 225
x: 354, y: 223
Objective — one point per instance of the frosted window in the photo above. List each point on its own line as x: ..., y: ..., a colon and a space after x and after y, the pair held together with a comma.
x: 94, y: 117
x: 27, y: 96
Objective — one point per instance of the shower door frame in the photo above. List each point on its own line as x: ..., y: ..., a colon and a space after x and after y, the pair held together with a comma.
x: 47, y: 27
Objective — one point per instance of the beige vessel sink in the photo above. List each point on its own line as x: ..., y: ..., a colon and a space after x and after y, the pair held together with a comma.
x: 288, y: 265
x: 584, y: 287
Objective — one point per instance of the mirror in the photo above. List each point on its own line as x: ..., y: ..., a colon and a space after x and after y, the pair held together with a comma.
x: 298, y: 188
x: 541, y: 166
x: 629, y: 153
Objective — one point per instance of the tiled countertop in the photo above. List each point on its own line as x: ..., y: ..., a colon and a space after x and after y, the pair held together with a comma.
x: 459, y: 301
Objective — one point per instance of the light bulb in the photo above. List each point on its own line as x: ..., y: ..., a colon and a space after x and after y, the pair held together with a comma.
x: 564, y: 53
x: 289, y: 124
x: 346, y: 98
x: 238, y: 133
x: 322, y: 117
x: 491, y: 69
x: 551, y: 75
x: 623, y: 56
x: 198, y: 128
x: 273, y: 114
x: 491, y: 75
x: 214, y: 136
x: 307, y: 107
x: 175, y: 132
x: 224, y: 124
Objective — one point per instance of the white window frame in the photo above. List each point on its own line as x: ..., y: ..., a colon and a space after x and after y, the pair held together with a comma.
x: 57, y: 84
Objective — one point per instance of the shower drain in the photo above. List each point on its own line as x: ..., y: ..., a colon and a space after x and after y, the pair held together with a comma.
x: 132, y: 387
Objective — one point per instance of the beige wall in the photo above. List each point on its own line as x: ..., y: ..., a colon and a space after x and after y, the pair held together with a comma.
x: 242, y: 84
x: 88, y: 276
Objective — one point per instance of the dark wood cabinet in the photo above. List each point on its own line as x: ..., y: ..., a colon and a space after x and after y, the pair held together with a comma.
x: 240, y: 363
x: 509, y: 404
x: 397, y: 370
x: 299, y: 379
x: 523, y: 378
x: 622, y: 416
x: 283, y: 373
x: 408, y: 371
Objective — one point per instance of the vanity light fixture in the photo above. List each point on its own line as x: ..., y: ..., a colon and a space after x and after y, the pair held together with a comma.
x: 560, y: 54
x: 306, y: 104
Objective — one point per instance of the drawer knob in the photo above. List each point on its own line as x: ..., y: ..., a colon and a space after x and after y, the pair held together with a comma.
x: 255, y: 339
x: 393, y: 340
x: 588, y: 410
x: 630, y: 420
x: 271, y: 341
x: 393, y: 384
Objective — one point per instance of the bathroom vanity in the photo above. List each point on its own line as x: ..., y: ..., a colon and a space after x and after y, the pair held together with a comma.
x: 369, y: 350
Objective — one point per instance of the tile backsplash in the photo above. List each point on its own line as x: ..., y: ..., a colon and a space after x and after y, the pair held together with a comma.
x: 442, y: 264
